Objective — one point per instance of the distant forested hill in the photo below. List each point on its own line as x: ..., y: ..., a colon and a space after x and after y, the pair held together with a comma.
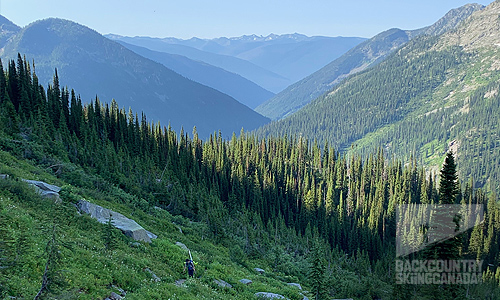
x: 267, y: 79
x: 284, y: 58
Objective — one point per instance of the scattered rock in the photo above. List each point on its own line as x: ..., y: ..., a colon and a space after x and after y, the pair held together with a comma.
x: 155, y: 278
x: 45, y: 190
x: 114, y: 296
x: 122, y: 292
x: 128, y: 226
x: 43, y: 185
x: 151, y: 235
x: 269, y: 295
x: 222, y: 283
x: 180, y: 282
x: 296, y: 285
x: 245, y: 281
x: 178, y: 227
x: 182, y: 246
x: 135, y: 244
x: 259, y: 270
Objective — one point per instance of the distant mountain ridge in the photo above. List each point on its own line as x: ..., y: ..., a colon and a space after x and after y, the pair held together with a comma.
x: 265, y: 78
x: 359, y: 58
x: 94, y: 65
x: 290, y: 56
x: 234, y: 85
x: 7, y: 30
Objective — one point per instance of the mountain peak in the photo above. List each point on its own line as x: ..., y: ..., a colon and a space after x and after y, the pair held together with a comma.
x: 480, y: 30
x: 4, y: 22
x: 449, y: 21
x: 7, y: 30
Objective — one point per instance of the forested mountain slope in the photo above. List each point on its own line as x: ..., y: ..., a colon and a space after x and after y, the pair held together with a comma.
x: 303, y: 213
x: 234, y: 85
x: 361, y: 57
x: 95, y: 65
x: 433, y: 92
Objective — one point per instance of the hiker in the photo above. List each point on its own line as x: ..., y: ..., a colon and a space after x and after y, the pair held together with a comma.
x: 190, y: 267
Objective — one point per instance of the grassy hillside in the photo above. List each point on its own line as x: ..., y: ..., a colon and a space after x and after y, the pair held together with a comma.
x: 85, y: 269
x: 148, y: 174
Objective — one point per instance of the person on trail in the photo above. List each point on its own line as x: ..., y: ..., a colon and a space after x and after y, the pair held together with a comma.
x: 189, y: 265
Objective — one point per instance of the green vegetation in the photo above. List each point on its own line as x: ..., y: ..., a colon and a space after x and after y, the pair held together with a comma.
x: 301, y: 212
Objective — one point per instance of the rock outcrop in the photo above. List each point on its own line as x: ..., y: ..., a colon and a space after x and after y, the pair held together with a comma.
x: 45, y: 190
x: 222, y: 283
x: 265, y: 295
x: 296, y: 285
x: 182, y: 246
x: 114, y: 296
x: 154, y: 277
x: 245, y: 281
x: 128, y: 226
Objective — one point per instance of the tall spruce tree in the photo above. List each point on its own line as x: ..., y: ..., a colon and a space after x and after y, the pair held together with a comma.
x: 449, y: 248
x: 448, y: 192
x: 448, y: 184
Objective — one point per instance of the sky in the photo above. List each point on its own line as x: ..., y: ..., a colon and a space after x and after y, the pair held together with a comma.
x: 230, y: 18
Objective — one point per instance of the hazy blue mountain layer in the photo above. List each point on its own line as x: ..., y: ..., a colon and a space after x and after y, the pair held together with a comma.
x: 94, y: 65
x: 234, y: 85
x: 268, y: 80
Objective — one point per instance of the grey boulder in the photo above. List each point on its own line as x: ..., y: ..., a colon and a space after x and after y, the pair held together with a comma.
x: 128, y: 226
x: 245, y: 281
x: 222, y: 283
x: 183, y: 246
x: 296, y: 285
x: 269, y: 295
x: 45, y: 190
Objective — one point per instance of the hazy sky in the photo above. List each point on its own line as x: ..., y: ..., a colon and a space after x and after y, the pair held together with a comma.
x: 215, y: 18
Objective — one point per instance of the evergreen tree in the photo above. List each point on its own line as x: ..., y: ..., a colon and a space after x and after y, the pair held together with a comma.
x: 448, y: 184
x: 109, y: 235
x: 317, y: 271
